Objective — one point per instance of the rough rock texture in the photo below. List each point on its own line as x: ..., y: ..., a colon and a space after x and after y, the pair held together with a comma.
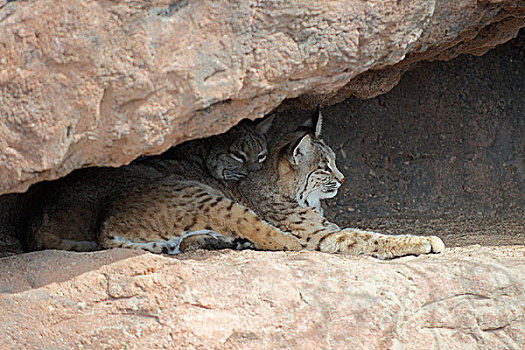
x: 101, y: 82
x: 467, y: 298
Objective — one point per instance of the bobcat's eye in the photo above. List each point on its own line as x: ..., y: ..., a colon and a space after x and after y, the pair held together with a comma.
x: 241, y: 158
x: 262, y: 157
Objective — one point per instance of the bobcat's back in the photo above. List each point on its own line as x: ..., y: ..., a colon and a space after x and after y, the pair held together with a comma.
x: 69, y: 215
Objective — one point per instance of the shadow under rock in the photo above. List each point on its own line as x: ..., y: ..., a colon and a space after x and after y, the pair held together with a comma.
x: 37, y: 269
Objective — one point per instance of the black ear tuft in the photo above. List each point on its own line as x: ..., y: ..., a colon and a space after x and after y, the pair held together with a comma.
x: 318, y: 117
x: 314, y: 123
x: 245, y: 123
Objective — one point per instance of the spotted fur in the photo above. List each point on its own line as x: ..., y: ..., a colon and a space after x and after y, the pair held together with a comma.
x: 69, y: 213
x: 263, y: 208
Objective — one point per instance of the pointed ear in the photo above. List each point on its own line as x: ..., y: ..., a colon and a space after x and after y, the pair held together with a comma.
x: 301, y: 150
x: 264, y: 126
x: 319, y: 122
x: 315, y: 121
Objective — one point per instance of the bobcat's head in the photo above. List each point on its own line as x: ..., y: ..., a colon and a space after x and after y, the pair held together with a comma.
x: 240, y: 150
x: 308, y: 164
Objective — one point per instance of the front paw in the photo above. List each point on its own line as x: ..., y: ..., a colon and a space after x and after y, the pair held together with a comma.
x: 428, y: 245
x: 397, y: 246
x: 436, y: 244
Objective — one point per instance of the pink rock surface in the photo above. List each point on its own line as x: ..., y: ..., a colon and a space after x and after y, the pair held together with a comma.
x: 466, y: 298
x: 101, y: 82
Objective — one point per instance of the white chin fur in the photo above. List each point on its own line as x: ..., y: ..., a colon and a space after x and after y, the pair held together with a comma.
x: 329, y: 194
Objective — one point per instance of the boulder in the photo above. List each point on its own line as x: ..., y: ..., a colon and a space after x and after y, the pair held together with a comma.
x: 466, y: 298
x: 91, y: 83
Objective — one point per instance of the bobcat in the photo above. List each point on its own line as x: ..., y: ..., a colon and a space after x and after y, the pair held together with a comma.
x: 230, y: 156
x: 69, y: 213
x: 269, y: 208
x: 324, y: 182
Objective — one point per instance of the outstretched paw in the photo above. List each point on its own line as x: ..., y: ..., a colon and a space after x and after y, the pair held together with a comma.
x: 428, y: 245
x: 397, y: 246
x: 436, y: 244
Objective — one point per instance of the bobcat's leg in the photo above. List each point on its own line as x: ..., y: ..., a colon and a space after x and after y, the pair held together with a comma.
x: 170, y: 247
x: 317, y: 233
x: 217, y: 242
x: 77, y: 246
x: 188, y: 241
x: 244, y: 223
x: 137, y: 221
x: 357, y: 242
x: 42, y: 234
x: 48, y: 240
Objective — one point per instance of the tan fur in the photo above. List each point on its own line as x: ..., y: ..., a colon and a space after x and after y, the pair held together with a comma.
x: 263, y: 208
x: 162, y: 212
x: 69, y: 211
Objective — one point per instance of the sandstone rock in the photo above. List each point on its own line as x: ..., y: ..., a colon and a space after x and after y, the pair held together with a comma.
x: 466, y: 298
x: 102, y: 82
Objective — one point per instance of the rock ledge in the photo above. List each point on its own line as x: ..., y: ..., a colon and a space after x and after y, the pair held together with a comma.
x: 466, y: 298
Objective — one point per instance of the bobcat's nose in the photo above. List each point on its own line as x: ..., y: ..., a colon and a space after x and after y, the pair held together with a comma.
x: 252, y: 166
x: 339, y: 176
